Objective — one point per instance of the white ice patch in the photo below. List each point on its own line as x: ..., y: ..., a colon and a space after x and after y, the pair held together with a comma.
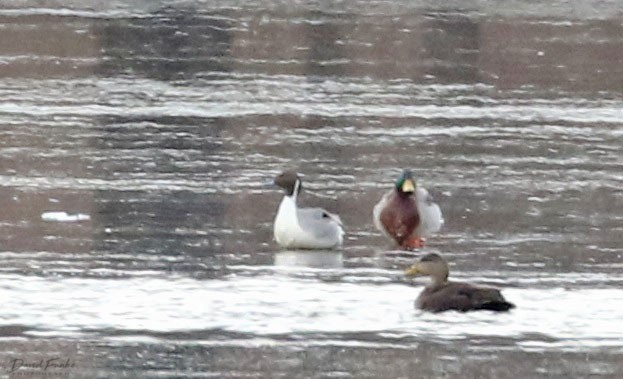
x: 64, y: 217
x: 551, y: 317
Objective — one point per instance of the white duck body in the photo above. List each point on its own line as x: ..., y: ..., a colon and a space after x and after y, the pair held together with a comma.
x: 306, y: 228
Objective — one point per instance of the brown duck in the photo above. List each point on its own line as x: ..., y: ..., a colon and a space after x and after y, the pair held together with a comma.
x: 441, y: 295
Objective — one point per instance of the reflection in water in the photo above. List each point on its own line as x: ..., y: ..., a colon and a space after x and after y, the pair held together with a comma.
x: 451, y: 45
x: 311, y: 259
x: 325, y: 56
x: 174, y: 44
x: 162, y: 124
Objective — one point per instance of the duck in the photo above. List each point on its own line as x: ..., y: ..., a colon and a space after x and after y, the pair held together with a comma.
x: 407, y: 214
x: 442, y: 295
x: 304, y: 228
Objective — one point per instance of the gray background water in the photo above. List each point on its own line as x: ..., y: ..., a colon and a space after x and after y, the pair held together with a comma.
x: 162, y: 121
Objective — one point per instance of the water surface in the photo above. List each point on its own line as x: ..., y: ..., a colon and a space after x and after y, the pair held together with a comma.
x: 157, y: 126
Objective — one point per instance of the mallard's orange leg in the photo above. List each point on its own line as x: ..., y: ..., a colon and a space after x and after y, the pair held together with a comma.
x: 414, y: 242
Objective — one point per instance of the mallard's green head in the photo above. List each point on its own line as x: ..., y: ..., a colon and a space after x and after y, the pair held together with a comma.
x: 405, y: 183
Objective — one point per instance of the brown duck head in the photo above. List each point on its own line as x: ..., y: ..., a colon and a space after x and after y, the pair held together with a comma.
x: 432, y: 265
x: 290, y: 182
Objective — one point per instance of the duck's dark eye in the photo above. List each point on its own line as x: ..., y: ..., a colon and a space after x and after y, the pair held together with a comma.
x: 325, y: 215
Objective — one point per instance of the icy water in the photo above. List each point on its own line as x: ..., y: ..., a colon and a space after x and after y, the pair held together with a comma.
x: 154, y: 127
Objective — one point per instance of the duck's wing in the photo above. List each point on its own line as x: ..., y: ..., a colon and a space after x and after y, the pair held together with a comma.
x: 431, y: 219
x: 319, y: 223
x: 463, y: 297
x: 378, y: 208
x: 485, y: 298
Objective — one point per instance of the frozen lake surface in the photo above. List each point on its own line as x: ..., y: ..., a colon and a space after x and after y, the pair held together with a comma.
x: 136, y: 139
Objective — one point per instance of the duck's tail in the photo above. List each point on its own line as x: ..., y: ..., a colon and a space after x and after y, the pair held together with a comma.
x: 497, y: 306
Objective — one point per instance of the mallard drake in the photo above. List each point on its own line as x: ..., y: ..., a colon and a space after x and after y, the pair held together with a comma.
x: 441, y: 295
x: 407, y: 213
x: 304, y: 228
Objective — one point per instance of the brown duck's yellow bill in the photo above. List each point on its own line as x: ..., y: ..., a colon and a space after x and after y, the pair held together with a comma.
x: 413, y: 270
x: 408, y: 186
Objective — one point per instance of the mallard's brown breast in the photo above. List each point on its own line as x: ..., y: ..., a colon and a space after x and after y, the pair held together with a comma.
x: 400, y: 218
